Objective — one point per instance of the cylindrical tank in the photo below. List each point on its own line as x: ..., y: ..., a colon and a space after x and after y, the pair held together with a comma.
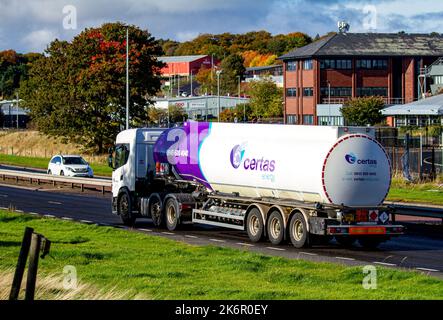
x: 307, y: 163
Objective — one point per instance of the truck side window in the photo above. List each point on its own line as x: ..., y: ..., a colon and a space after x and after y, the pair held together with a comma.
x: 121, y: 155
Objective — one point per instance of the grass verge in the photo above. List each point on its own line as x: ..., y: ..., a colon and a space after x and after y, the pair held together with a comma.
x: 402, y: 191
x: 42, y: 163
x: 158, y: 268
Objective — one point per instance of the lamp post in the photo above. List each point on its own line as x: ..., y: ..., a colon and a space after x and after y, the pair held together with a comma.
x: 218, y: 92
x: 127, y: 77
x: 329, y: 103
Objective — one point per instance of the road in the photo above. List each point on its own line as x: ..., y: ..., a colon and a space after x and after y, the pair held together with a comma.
x: 412, y: 251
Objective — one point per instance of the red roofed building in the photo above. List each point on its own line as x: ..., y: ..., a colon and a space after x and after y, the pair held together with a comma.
x: 185, y: 65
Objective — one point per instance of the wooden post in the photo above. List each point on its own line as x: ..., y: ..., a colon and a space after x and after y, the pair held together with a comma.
x: 33, y: 266
x: 103, y: 190
x: 83, y: 187
x: 21, y: 263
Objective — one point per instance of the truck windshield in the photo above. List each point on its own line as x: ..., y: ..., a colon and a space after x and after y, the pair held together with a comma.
x: 121, y: 155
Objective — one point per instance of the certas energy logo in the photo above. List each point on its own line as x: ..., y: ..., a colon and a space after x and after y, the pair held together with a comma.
x: 352, y: 159
x: 237, y: 154
x: 256, y: 164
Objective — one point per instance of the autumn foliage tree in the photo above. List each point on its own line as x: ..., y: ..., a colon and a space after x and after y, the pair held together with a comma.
x: 78, y: 89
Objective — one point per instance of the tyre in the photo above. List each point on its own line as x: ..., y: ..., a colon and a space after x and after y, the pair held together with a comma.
x: 124, y: 209
x: 254, y: 225
x: 62, y: 173
x: 298, y: 231
x: 275, y: 228
x: 49, y: 172
x: 370, y: 243
x: 345, y: 241
x: 172, y: 214
x: 155, y: 211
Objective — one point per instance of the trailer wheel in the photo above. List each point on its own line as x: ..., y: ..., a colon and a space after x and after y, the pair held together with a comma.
x: 254, y: 225
x: 276, y: 228
x: 124, y: 209
x: 156, y: 212
x: 172, y: 212
x: 298, y: 231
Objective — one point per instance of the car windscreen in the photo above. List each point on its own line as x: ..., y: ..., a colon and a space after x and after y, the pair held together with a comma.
x: 73, y: 160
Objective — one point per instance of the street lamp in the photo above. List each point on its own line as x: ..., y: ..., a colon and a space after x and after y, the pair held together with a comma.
x: 329, y: 103
x: 218, y: 92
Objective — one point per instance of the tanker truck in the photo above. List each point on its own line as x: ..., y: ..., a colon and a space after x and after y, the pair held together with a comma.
x: 281, y: 182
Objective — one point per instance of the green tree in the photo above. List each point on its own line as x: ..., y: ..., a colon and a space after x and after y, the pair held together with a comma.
x: 232, y: 67
x: 266, y: 99
x: 78, y: 89
x: 363, y: 111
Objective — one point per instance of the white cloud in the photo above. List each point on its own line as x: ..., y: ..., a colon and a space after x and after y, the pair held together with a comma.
x: 39, y: 39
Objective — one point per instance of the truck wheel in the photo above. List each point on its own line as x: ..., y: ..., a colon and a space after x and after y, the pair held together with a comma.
x: 172, y: 213
x: 370, y: 243
x: 156, y: 212
x: 298, y: 231
x: 275, y: 228
x: 254, y: 225
x: 124, y: 209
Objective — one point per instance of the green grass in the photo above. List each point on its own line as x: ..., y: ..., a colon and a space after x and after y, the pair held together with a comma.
x: 159, y: 268
x: 431, y: 193
x: 42, y: 163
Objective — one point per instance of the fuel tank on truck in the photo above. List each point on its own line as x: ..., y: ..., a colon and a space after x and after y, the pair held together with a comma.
x: 338, y: 165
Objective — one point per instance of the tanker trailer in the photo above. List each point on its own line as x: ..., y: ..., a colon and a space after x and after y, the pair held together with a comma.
x: 297, y: 183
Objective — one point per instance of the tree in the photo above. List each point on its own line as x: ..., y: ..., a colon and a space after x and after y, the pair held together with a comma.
x: 266, y: 99
x: 78, y: 89
x: 363, y: 111
x: 233, y: 68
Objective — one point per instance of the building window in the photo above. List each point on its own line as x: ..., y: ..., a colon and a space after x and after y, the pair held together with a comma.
x: 372, y: 91
x: 400, y: 121
x: 375, y: 64
x: 438, y: 79
x: 337, y: 91
x: 341, y: 64
x: 308, y: 92
x: 308, y: 119
x: 291, y: 92
x: 308, y: 64
x: 330, y: 121
x: 291, y: 119
x: 291, y: 65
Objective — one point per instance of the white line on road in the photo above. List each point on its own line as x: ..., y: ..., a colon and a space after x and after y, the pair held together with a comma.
x: 169, y: 233
x: 192, y: 237
x: 34, y: 213
x: 309, y: 253
x: 86, y: 221
x: 385, y: 263
x: 19, y: 211
x: 245, y: 244
x: 427, y: 269
x: 3, y: 195
x: 274, y: 248
x: 217, y: 240
x: 345, y: 258
x: 55, y: 202
x: 67, y: 218
x: 4, y: 208
x: 147, y: 230
x: 49, y: 216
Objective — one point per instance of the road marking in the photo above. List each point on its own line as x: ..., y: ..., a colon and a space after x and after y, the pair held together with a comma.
x: 427, y: 269
x: 192, y: 237
x: 274, y: 248
x: 86, y: 221
x: 147, y: 230
x: 54, y: 202
x: 345, y: 258
x: 245, y: 244
x: 3, y: 195
x: 4, y: 208
x: 385, y: 263
x: 20, y: 211
x: 49, y: 216
x: 67, y: 218
x: 169, y: 233
x: 309, y: 253
x: 217, y: 240
x: 34, y: 213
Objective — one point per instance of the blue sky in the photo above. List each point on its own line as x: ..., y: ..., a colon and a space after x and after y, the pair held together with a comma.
x: 29, y: 25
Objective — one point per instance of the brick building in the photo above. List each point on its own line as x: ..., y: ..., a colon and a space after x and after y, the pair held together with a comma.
x: 319, y: 77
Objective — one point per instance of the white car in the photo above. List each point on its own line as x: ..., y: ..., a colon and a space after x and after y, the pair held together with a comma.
x: 70, y: 165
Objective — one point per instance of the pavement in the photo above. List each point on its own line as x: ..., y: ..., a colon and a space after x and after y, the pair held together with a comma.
x: 420, y: 249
